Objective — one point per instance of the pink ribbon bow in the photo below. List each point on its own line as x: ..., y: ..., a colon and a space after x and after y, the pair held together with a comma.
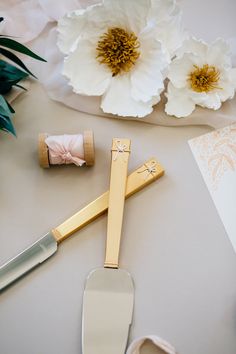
x: 66, y: 149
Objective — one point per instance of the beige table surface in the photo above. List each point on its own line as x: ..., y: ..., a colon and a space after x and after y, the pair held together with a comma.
x: 173, y: 243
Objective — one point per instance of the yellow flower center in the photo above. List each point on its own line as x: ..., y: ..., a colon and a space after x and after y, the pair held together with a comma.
x: 118, y: 49
x: 204, y: 79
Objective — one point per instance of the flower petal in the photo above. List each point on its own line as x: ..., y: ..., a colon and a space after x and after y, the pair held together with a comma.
x: 118, y: 100
x: 146, y: 76
x: 171, y: 32
x: 180, y: 69
x: 212, y: 101
x: 227, y: 84
x: 69, y: 28
x: 129, y: 14
x: 197, y: 97
x: 194, y: 46
x: 79, y: 25
x: 86, y: 75
x: 179, y: 103
x: 63, y: 7
x: 161, y: 10
x: 206, y: 99
x: 227, y: 91
x: 218, y: 54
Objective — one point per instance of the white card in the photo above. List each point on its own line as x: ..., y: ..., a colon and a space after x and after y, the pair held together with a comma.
x: 215, y: 154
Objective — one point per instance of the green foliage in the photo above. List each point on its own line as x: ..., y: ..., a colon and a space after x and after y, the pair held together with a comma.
x: 12, y: 44
x: 15, y: 59
x: 6, y: 112
x: 10, y: 76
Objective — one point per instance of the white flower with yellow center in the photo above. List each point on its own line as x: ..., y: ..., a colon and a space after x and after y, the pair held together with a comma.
x: 120, y: 49
x: 201, y: 75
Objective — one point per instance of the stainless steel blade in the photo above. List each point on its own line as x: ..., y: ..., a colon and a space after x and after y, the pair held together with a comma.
x: 107, y: 311
x: 35, y: 254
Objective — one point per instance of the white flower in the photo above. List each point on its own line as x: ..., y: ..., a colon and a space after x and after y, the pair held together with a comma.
x: 201, y: 75
x: 119, y: 50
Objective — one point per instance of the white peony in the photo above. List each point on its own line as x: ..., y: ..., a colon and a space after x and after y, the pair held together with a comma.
x: 201, y: 75
x: 120, y: 50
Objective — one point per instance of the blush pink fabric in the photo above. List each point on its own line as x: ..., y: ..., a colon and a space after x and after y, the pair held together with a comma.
x: 136, y: 345
x: 65, y: 149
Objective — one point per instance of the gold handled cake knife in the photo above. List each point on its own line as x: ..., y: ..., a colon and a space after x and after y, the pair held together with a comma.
x: 46, y: 246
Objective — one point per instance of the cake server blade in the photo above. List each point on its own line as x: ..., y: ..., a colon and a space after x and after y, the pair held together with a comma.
x: 107, y: 311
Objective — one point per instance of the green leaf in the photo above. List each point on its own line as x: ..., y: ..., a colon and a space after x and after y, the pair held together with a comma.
x: 4, y: 108
x: 11, y: 70
x: 6, y: 125
x: 5, y: 116
x: 22, y: 87
x: 18, y: 47
x: 10, y: 107
x: 9, y: 76
x: 15, y: 59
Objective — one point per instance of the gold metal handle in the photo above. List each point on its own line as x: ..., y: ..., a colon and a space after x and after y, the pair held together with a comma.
x: 119, y: 165
x: 150, y: 171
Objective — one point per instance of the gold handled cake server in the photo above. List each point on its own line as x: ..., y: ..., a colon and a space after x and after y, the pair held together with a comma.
x: 109, y: 292
x: 46, y: 246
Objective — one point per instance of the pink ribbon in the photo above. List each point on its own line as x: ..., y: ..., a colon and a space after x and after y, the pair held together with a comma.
x: 159, y: 343
x: 66, y: 149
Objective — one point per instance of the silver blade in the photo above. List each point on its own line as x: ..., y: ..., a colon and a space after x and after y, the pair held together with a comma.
x: 27, y: 260
x: 107, y: 311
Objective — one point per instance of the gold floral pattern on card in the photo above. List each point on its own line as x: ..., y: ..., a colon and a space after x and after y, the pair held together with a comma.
x: 216, y: 153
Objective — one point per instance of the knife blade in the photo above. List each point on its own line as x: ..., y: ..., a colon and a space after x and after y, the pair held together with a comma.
x: 109, y: 292
x: 32, y: 256
x: 46, y: 246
